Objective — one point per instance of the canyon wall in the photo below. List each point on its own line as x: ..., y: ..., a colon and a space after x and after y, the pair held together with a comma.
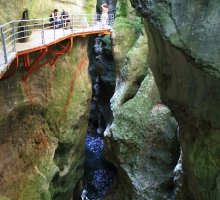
x: 184, y: 57
x: 43, y: 125
x: 142, y: 138
x: 43, y: 121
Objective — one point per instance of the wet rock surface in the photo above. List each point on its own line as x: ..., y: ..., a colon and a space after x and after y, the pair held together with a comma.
x: 43, y: 126
x: 43, y: 122
x: 184, y: 57
x: 143, y: 137
x: 143, y: 134
x: 189, y: 25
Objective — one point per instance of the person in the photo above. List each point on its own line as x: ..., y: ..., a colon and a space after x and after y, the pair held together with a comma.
x: 55, y: 19
x: 104, y: 18
x: 23, y: 27
x: 25, y: 14
x: 65, y: 18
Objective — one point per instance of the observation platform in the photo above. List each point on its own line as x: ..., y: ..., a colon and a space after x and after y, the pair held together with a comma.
x: 21, y: 37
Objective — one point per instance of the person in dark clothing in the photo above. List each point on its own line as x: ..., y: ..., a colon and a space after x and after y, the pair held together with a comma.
x: 25, y: 14
x: 23, y: 28
x: 65, y: 18
x: 55, y: 18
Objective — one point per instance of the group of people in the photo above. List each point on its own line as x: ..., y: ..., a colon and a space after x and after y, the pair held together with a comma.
x: 63, y: 19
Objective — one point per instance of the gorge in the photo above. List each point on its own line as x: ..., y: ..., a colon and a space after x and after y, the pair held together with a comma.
x: 160, y: 71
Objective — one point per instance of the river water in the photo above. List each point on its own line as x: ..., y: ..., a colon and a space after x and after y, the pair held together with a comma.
x: 99, y: 173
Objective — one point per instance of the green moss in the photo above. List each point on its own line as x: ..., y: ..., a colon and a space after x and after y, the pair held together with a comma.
x: 3, y: 198
x: 107, y: 40
x: 123, y: 8
x: 66, y: 107
x: 89, y: 7
x: 36, y: 189
x: 136, y: 65
x: 67, y: 115
x: 32, y: 154
x: 131, y: 119
x: 125, y: 27
x: 63, y: 183
x: 174, y: 38
x: 121, y: 22
x: 203, y: 155
x: 39, y: 9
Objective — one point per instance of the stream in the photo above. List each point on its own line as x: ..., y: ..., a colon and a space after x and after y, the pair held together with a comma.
x: 99, y: 173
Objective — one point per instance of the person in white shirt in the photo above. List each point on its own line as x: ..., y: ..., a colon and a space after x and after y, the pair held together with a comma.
x: 104, y: 17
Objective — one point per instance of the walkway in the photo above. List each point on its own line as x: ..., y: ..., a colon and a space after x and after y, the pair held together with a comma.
x: 40, y: 34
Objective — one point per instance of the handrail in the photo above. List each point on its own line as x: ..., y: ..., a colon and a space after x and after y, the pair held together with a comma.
x: 18, y: 30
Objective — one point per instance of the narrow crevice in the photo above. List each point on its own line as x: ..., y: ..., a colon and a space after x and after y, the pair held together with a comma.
x: 98, y: 172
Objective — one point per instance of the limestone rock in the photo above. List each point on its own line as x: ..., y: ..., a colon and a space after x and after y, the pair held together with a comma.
x: 184, y: 57
x: 43, y: 124
x: 142, y: 139
x: 144, y: 142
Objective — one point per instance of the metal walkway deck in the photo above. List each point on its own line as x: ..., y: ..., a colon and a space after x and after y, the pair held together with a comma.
x: 40, y: 35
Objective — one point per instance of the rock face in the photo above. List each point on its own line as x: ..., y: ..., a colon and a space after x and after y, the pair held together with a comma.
x: 13, y: 9
x: 184, y: 57
x: 142, y: 139
x: 43, y: 124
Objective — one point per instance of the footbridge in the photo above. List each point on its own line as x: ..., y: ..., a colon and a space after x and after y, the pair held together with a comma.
x: 48, y: 40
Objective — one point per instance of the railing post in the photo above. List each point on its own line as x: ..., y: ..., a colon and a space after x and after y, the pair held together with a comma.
x: 14, y: 39
x: 54, y: 28
x: 4, y: 46
x: 92, y: 21
x: 112, y: 20
x: 100, y: 27
x: 83, y: 22
x: 42, y: 35
x: 72, y: 24
x: 63, y: 26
